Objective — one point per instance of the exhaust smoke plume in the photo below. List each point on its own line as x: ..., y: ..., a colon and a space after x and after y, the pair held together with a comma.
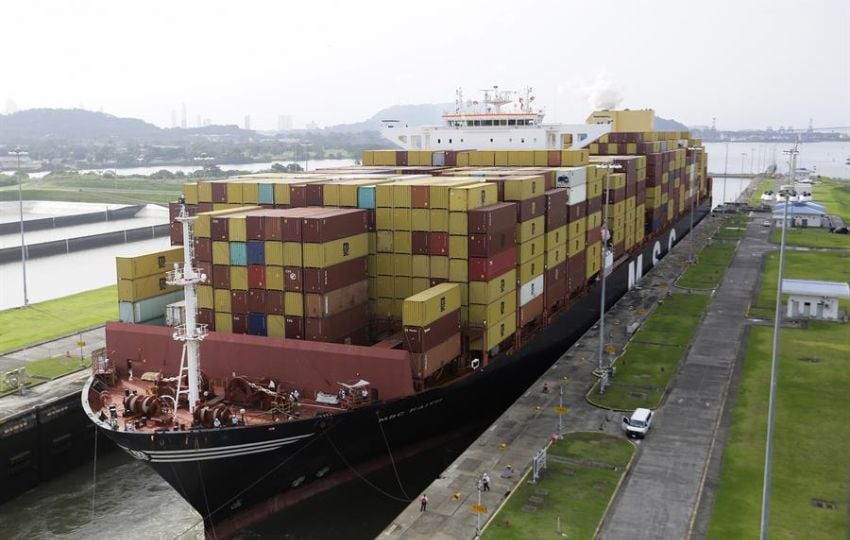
x: 603, y: 92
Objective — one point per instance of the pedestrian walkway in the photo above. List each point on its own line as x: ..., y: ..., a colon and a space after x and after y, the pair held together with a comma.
x: 663, y: 490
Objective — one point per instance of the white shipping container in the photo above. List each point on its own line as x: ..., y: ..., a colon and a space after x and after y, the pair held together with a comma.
x: 531, y: 290
x: 147, y: 309
x: 577, y: 194
x: 175, y: 314
x: 571, y: 176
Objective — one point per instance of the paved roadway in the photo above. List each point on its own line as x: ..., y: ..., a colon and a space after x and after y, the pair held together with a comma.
x: 661, y: 494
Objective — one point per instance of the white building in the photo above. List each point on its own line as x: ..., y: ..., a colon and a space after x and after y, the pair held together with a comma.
x: 800, y: 214
x: 814, y: 299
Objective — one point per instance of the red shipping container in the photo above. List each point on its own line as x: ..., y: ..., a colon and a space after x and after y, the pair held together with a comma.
x: 240, y: 323
x: 530, y: 208
x: 255, y: 225
x: 420, y: 196
x: 219, y: 229
x: 554, y: 158
x: 273, y: 227
x: 207, y: 317
x: 419, y: 339
x: 219, y: 192
x: 315, y: 194
x: 221, y: 276
x: 425, y: 364
x: 203, y: 249
x: 530, y: 311
x: 333, y: 302
x: 175, y: 234
x: 494, y: 217
x: 556, y: 208
x: 206, y: 268
x: 256, y: 277
x: 555, y: 284
x: 594, y: 205
x: 205, y: 207
x: 257, y: 300
x: 293, y: 278
x: 486, y: 269
x: 274, y: 303
x: 298, y: 195
x: 371, y: 220
x: 173, y: 211
x: 577, y: 271
x: 293, y: 327
x: 419, y: 241
x: 401, y: 157
x: 593, y: 235
x: 321, y: 280
x: 239, y: 301
x: 438, y: 243
x: 487, y: 245
x: 576, y: 211
x: 333, y: 224
x: 336, y: 326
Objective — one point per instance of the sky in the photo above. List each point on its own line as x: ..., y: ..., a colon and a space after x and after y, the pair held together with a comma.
x: 745, y: 63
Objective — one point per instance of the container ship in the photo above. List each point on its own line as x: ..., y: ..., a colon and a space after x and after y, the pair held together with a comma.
x: 306, y: 324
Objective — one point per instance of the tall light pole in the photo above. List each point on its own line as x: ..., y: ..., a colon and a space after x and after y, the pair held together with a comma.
x: 777, y: 318
x: 17, y: 152
x: 725, y: 173
x: 605, y: 236
x: 692, y: 195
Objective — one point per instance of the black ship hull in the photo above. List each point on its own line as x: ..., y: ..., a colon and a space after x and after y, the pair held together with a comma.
x: 228, y: 474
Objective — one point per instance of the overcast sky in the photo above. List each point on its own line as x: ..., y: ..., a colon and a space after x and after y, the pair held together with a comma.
x: 749, y: 63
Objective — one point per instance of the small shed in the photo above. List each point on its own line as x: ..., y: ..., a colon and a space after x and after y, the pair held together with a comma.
x: 814, y: 299
x: 800, y: 214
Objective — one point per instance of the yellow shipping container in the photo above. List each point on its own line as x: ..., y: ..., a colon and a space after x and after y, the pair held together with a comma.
x: 439, y: 220
x: 458, y: 270
x: 372, y: 265
x: 190, y: 192
x: 384, y: 195
x: 469, y: 197
x: 385, y: 264
x: 223, y: 323
x: 520, y: 188
x: 384, y: 157
x: 419, y: 284
x: 384, y: 219
x: 204, y: 192
x: 221, y: 252
x: 531, y: 269
x: 594, y: 220
x: 237, y: 230
x: 431, y: 304
x: 439, y: 267
x: 574, y: 157
x: 556, y: 256
x: 293, y: 304
x: 556, y: 238
x: 481, y: 314
x: 274, y: 278
x: 149, y: 264
x: 576, y: 229
x: 420, y: 266
x: 401, y: 287
x: 531, y: 229
x: 482, y: 158
x: 372, y: 287
x: 401, y: 219
x: 420, y: 219
x: 368, y: 157
x: 221, y: 298
x: 333, y: 252
x: 402, y: 264
x: 576, y: 245
x: 205, y: 297
x: 530, y: 249
x: 459, y: 247
x: 134, y: 290
x: 384, y: 287
x: 274, y: 252
x: 541, y: 158
x: 234, y: 192
x: 384, y: 242
x: 293, y: 253
x: 250, y: 193
x: 485, y: 292
x: 402, y: 242
x: 239, y: 278
x: 501, y: 158
x: 281, y: 193
x: 520, y: 158
x: 458, y: 223
x: 496, y: 333
x: 275, y: 326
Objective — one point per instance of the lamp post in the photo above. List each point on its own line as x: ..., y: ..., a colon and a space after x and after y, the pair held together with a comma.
x: 17, y: 152
x: 605, y: 236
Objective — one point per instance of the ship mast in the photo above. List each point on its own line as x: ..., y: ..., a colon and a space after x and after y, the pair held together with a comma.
x: 190, y: 333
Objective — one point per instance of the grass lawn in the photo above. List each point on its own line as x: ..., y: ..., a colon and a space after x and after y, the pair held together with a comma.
x: 821, y: 238
x: 577, y: 494
x: 651, y: 358
x: 38, y: 322
x: 710, y: 267
x: 56, y: 367
x: 765, y: 184
x: 811, y: 457
x: 835, y: 195
x: 819, y: 265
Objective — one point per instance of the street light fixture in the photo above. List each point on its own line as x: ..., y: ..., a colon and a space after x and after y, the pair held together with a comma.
x: 17, y: 152
x: 602, y: 369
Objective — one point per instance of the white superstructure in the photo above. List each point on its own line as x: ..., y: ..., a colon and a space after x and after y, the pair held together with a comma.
x: 503, y: 120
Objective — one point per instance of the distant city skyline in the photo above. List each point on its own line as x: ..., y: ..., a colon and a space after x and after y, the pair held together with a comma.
x: 750, y: 64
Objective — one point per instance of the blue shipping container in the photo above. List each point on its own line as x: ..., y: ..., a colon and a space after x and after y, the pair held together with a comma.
x: 256, y: 252
x: 366, y: 197
x: 257, y: 324
x: 238, y: 254
x: 265, y: 194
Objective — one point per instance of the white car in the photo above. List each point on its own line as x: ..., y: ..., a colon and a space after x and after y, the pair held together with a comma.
x: 638, y: 425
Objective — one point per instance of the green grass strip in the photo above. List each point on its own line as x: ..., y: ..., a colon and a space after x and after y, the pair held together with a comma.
x: 816, y: 238
x: 577, y: 494
x: 20, y: 327
x: 710, y: 267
